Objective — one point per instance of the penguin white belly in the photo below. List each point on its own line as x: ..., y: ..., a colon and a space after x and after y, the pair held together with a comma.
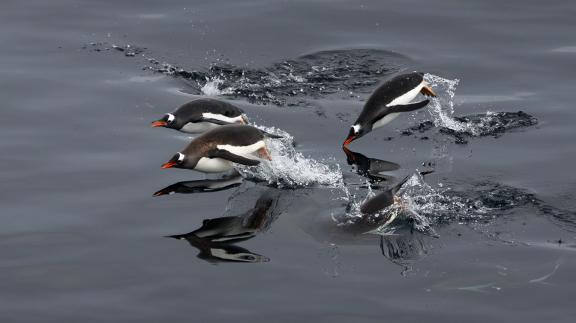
x: 244, y: 151
x: 198, y: 127
x: 387, y: 118
x: 408, y: 96
x: 221, y: 117
x: 213, y: 165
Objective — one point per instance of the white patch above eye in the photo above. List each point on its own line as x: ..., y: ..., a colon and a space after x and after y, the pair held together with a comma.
x: 181, y: 157
x: 356, y: 128
x: 221, y: 117
x: 171, y: 117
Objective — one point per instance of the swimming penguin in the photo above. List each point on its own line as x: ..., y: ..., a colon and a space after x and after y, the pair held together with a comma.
x: 384, y: 200
x: 216, y: 150
x: 201, y: 115
x: 387, y: 101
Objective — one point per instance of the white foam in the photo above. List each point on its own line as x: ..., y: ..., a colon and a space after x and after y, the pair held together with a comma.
x: 290, y: 168
x: 213, y: 87
x: 442, y: 107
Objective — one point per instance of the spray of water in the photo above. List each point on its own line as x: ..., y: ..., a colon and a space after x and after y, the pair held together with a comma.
x: 290, y: 168
x: 442, y: 107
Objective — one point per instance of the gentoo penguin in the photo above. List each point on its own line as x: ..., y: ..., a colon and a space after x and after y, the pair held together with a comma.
x: 387, y: 101
x: 201, y: 115
x: 384, y: 200
x: 216, y: 150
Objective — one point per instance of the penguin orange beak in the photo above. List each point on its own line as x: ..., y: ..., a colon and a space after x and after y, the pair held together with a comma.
x: 159, y: 123
x: 349, y: 140
x: 168, y: 165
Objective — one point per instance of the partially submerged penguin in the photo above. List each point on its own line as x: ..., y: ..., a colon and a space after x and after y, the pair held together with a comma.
x: 216, y: 150
x: 384, y: 200
x: 389, y: 99
x: 201, y: 115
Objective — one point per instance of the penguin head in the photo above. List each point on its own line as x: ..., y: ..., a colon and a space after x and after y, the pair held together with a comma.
x: 167, y: 121
x: 179, y: 160
x: 356, y: 131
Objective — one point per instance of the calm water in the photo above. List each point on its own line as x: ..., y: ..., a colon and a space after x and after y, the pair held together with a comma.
x: 84, y: 239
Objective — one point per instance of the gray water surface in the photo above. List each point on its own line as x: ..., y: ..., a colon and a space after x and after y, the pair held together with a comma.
x: 83, y: 239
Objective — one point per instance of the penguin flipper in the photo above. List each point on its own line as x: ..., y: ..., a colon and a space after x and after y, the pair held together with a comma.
x: 225, y: 154
x: 407, y: 107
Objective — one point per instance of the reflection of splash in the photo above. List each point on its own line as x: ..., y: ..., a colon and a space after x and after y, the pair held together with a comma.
x: 290, y: 168
x: 404, y: 249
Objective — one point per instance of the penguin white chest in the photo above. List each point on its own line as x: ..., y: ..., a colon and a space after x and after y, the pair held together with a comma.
x: 213, y: 165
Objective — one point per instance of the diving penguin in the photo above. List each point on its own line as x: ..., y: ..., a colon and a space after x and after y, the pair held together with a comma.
x: 216, y: 150
x: 387, y: 101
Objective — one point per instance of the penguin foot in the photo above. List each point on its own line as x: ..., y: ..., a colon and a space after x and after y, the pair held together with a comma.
x: 427, y: 91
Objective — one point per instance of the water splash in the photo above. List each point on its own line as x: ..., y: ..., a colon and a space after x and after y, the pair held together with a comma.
x: 442, y: 107
x: 213, y: 87
x: 290, y: 168
x: 461, y: 128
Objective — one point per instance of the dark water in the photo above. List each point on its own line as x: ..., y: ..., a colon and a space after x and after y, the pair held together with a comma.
x: 492, y: 236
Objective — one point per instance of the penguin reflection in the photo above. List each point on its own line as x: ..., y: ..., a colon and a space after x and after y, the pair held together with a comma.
x: 404, y: 247
x: 202, y: 186
x: 216, y: 238
x: 370, y: 168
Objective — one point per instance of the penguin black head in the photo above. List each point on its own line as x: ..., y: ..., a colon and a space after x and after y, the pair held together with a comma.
x: 167, y: 121
x: 179, y: 160
x: 356, y: 131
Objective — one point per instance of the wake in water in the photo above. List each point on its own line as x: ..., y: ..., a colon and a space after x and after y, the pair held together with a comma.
x: 344, y: 73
